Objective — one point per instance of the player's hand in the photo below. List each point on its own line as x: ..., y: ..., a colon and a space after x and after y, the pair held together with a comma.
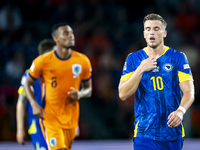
x: 20, y: 136
x: 38, y: 111
x: 175, y: 118
x: 75, y: 94
x: 148, y: 64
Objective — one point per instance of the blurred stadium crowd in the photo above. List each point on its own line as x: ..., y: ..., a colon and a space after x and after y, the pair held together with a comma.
x: 106, y: 31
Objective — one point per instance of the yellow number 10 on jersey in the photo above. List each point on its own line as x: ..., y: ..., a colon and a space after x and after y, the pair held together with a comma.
x: 157, y: 82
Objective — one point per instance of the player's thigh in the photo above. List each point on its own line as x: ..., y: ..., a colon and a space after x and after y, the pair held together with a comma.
x: 69, y: 137
x: 55, y: 138
x: 144, y: 144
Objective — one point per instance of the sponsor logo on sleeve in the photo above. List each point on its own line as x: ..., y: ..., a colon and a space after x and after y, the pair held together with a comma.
x: 186, y: 66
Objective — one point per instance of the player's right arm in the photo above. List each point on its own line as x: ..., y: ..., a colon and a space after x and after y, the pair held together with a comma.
x: 128, y: 87
x: 37, y: 109
x: 35, y: 72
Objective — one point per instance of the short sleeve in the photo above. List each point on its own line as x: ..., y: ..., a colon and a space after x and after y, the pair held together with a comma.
x: 23, y: 80
x: 127, y: 69
x: 87, y: 69
x: 36, y: 68
x: 184, y: 71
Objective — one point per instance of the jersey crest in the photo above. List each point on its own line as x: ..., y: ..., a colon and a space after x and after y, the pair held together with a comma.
x: 167, y: 67
x: 76, y: 70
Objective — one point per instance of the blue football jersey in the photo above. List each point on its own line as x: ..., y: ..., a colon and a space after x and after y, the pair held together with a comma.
x: 158, y: 93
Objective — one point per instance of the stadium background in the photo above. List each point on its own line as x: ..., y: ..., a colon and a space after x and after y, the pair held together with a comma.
x: 106, y: 31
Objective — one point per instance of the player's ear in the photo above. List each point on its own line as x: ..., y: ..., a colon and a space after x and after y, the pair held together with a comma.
x: 165, y: 34
x: 55, y: 39
x: 144, y: 34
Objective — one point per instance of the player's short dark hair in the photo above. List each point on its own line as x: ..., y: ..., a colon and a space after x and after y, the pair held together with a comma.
x: 153, y: 16
x: 45, y: 45
x: 55, y: 28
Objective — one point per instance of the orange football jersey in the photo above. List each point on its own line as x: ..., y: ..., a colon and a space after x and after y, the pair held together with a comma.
x: 59, y: 75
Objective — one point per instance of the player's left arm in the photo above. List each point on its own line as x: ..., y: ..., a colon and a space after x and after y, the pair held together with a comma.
x: 175, y: 118
x: 86, y: 90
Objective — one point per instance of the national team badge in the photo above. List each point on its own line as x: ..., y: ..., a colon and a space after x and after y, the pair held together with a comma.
x: 53, y: 141
x: 168, y: 67
x: 76, y: 70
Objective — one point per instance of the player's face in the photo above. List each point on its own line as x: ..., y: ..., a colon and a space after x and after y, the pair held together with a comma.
x: 65, y: 36
x: 154, y: 33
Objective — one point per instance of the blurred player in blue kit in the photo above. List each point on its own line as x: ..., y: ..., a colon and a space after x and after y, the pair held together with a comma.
x: 161, y: 79
x: 34, y: 128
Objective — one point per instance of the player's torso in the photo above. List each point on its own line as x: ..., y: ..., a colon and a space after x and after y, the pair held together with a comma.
x: 157, y: 96
x: 160, y: 85
x: 61, y: 74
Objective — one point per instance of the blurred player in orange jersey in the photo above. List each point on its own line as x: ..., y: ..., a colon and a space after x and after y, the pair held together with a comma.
x: 64, y: 71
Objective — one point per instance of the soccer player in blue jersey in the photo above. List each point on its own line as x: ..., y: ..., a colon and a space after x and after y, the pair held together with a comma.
x: 34, y: 129
x: 161, y: 79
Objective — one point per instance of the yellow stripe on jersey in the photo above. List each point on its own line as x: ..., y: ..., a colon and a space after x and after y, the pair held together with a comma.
x: 183, y: 131
x: 21, y: 90
x: 32, y: 129
x: 166, y: 48
x: 135, y: 131
x: 184, y: 76
x: 126, y: 76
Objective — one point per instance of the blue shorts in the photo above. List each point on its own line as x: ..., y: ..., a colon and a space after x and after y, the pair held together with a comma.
x: 36, y: 134
x: 149, y: 144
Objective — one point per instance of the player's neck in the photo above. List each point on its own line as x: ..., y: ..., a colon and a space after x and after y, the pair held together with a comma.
x: 63, y: 52
x: 156, y: 52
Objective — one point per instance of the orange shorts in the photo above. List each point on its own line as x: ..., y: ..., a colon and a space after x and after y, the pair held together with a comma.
x: 59, y: 138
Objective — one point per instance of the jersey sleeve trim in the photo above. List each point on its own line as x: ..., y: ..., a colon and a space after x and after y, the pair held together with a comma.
x: 87, y: 79
x: 126, y: 76
x: 32, y: 76
x: 21, y: 91
x: 184, y: 76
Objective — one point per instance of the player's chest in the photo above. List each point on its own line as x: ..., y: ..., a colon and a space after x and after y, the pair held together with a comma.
x: 165, y: 69
x: 72, y: 70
